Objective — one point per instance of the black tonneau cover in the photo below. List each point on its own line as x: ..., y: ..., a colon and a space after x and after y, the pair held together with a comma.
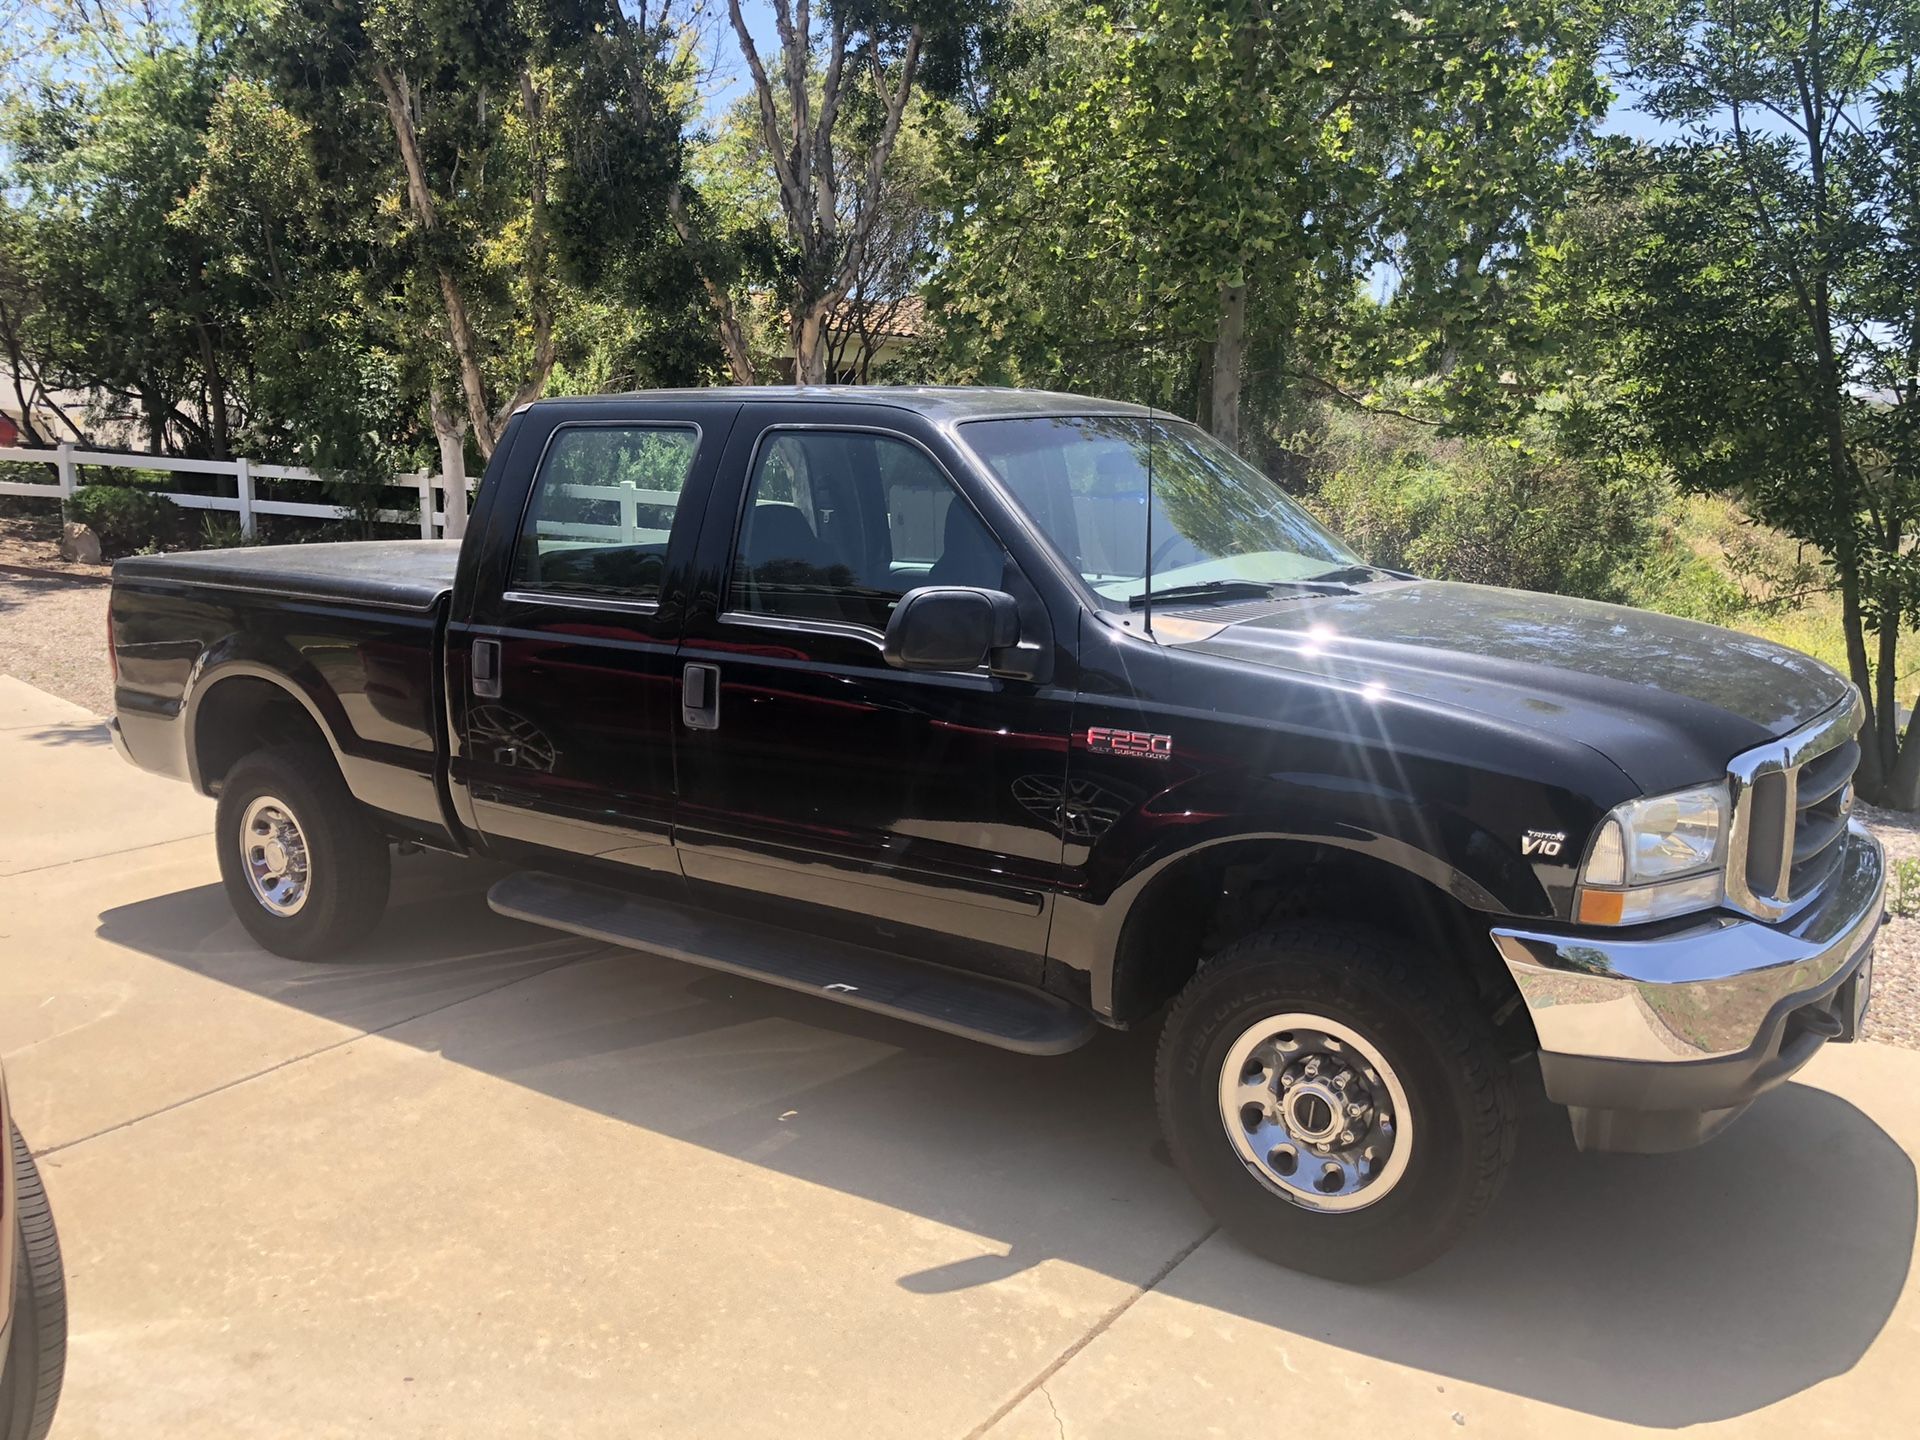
x: 394, y: 574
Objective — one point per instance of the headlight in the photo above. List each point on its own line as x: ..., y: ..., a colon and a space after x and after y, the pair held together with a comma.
x: 1661, y: 856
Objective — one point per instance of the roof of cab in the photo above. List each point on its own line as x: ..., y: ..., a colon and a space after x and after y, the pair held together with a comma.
x: 936, y: 402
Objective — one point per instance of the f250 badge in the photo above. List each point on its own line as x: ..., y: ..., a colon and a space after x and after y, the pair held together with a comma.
x: 1138, y: 744
x: 1542, y: 842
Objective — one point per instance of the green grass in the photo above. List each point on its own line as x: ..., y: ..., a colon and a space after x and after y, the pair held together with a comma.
x: 1721, y: 567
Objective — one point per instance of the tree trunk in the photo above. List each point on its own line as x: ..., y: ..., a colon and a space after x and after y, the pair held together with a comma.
x: 1199, y: 398
x: 399, y: 97
x: 810, y: 347
x: 539, y: 301
x: 154, y: 407
x: 1902, y: 792
x: 733, y: 335
x: 1229, y: 357
x: 1872, y: 774
x: 219, y: 441
x: 450, y: 433
x: 1887, y: 678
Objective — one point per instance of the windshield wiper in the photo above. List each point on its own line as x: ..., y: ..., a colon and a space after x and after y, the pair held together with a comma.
x: 1237, y: 590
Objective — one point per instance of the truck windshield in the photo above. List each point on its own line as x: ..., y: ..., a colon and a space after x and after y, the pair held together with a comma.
x: 1083, y: 479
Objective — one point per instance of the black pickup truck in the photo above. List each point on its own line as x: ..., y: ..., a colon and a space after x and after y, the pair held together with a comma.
x: 1018, y: 715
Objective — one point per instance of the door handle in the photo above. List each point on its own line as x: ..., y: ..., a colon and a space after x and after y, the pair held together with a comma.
x: 700, y: 697
x: 486, y: 669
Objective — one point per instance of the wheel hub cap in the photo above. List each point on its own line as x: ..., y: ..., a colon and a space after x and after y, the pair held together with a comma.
x: 274, y: 851
x: 1315, y: 1112
x: 1311, y: 1112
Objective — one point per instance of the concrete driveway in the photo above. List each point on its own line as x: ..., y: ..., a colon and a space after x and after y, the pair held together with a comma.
x: 490, y: 1180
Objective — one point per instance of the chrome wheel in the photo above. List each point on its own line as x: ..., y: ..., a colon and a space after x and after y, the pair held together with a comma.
x: 275, y: 853
x: 1315, y: 1112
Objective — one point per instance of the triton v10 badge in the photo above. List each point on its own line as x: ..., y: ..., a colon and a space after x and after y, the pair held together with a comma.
x: 1543, y: 842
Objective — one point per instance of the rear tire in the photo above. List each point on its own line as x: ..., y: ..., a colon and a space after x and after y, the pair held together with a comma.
x: 306, y: 870
x: 1368, y: 1117
x: 36, y: 1359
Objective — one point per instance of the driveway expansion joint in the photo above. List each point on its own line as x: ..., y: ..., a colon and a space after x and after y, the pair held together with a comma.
x: 353, y: 1039
x: 1101, y: 1326
x: 100, y: 855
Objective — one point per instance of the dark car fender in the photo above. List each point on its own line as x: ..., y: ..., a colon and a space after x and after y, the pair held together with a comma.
x: 1465, y: 844
x: 265, y: 658
x: 398, y: 781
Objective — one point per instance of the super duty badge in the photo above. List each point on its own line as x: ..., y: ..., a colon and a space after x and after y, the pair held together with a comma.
x: 1139, y: 744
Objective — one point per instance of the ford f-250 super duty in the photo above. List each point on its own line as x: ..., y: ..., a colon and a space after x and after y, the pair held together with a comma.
x: 1017, y: 715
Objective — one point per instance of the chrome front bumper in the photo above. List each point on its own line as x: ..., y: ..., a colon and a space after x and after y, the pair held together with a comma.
x: 1695, y: 1021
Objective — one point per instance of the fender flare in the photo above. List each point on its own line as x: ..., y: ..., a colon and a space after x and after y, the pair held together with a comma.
x: 1090, y: 934
x: 213, y: 668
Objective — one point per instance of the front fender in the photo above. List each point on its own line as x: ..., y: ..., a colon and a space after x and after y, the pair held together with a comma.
x: 1465, y: 803
x: 1442, y: 851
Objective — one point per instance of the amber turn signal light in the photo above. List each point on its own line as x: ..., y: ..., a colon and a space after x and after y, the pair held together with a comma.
x: 1602, y: 907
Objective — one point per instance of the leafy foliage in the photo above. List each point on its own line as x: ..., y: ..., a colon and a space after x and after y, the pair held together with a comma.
x: 1488, y: 511
x: 125, y: 517
x: 1164, y: 169
x: 1751, y: 289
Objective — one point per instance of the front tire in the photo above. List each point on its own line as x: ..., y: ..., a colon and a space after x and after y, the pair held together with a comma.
x: 35, y: 1364
x: 1338, y: 1104
x: 305, y: 869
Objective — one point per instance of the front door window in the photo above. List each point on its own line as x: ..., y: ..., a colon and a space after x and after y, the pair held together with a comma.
x: 838, y: 525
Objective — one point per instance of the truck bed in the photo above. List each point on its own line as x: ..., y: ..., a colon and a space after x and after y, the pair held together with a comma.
x: 391, y: 574
x: 350, y: 633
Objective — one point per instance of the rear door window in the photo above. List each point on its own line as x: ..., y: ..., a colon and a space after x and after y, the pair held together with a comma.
x: 602, y: 510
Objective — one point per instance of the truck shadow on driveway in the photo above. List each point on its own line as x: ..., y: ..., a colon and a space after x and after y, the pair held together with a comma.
x: 1660, y: 1291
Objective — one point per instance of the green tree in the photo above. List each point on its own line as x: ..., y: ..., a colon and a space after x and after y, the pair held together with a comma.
x: 1180, y: 199
x: 510, y: 146
x: 108, y: 290
x: 1757, y: 288
x: 755, y: 276
x: 169, y: 248
x: 829, y: 121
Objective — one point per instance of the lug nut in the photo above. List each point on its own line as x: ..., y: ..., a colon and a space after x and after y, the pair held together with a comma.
x: 1353, y: 1108
x: 1346, y: 1137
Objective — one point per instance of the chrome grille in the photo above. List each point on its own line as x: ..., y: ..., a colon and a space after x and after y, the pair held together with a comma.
x: 1791, y: 799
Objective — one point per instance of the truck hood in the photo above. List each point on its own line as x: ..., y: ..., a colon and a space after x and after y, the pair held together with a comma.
x: 1669, y: 701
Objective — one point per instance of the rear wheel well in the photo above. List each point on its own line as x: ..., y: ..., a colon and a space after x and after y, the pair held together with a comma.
x: 242, y: 715
x: 1206, y: 901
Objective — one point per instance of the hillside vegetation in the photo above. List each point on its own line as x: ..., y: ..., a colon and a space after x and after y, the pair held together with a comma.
x: 1501, y: 512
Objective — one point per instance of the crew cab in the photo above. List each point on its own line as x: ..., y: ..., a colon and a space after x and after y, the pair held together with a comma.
x: 1021, y: 715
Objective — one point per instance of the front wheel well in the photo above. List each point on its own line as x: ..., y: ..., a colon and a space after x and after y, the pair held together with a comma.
x: 242, y: 715
x: 1206, y: 901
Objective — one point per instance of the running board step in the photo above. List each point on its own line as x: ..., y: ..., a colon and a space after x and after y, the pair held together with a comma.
x: 1013, y: 1017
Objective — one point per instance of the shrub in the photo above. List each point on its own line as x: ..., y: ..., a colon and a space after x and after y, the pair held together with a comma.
x: 126, y: 518
x: 1492, y: 512
x: 1671, y: 576
x: 1903, y: 895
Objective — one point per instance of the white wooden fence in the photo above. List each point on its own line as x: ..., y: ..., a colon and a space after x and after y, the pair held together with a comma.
x: 629, y: 531
x: 244, y: 502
